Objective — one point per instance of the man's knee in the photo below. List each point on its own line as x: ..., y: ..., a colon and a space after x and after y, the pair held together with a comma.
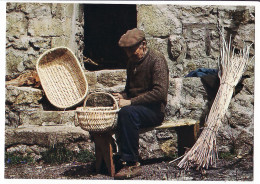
x: 126, y: 111
x: 128, y: 116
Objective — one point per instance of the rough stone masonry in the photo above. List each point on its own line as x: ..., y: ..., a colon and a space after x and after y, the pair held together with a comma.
x: 188, y: 37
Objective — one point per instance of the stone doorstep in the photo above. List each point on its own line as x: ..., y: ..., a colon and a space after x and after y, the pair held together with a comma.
x: 47, y: 117
x: 45, y: 135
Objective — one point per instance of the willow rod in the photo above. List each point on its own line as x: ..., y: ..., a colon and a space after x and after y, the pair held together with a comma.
x: 231, y: 67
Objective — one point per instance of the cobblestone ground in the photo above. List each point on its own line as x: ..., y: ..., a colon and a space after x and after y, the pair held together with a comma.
x: 226, y: 170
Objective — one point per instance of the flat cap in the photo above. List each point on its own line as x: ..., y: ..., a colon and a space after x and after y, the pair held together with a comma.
x: 131, y: 38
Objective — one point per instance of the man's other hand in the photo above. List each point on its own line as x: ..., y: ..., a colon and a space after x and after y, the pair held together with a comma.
x: 118, y: 96
x: 123, y: 102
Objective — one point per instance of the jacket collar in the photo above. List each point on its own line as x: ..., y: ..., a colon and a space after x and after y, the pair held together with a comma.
x: 143, y: 58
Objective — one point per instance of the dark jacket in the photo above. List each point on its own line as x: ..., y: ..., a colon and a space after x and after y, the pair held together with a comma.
x: 148, y: 81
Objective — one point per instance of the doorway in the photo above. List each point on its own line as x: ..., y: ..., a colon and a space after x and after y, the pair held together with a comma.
x: 104, y: 25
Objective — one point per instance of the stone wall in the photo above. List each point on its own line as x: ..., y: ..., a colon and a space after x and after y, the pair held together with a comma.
x: 186, y: 35
x: 32, y: 28
x: 187, y: 98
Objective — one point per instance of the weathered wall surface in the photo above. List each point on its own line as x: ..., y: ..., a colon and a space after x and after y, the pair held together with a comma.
x: 32, y: 28
x: 187, y: 98
x: 186, y: 35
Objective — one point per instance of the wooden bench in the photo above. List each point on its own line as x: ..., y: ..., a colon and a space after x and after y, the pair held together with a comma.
x: 187, y: 132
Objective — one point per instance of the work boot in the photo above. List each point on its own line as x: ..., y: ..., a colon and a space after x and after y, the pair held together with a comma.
x: 129, y: 171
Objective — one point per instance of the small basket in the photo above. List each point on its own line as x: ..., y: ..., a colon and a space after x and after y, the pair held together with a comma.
x: 62, y: 77
x: 97, y: 119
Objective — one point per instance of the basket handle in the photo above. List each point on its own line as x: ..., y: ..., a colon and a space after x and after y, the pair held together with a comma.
x: 116, y: 103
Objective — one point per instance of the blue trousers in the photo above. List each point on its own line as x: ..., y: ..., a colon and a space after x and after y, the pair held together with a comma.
x: 130, y: 120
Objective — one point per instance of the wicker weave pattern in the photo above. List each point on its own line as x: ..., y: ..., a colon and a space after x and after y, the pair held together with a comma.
x: 97, y: 119
x: 62, y: 77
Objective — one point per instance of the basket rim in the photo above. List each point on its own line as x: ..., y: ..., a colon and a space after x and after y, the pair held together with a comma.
x: 81, y: 109
x: 78, y: 63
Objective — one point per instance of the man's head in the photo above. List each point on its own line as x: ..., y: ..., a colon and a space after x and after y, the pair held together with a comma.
x: 134, y: 43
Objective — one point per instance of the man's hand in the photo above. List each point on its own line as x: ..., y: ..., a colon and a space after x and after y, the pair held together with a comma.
x: 118, y: 96
x: 123, y: 102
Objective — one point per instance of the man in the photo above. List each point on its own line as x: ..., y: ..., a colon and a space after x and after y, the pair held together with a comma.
x: 144, y: 99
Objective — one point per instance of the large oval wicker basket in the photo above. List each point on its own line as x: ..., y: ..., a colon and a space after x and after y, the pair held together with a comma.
x: 97, y: 119
x: 62, y: 77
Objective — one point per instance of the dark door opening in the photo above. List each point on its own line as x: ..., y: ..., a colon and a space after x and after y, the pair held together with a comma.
x: 104, y: 25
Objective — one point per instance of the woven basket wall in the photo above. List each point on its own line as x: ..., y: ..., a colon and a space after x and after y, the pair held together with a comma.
x: 97, y: 119
x: 62, y: 77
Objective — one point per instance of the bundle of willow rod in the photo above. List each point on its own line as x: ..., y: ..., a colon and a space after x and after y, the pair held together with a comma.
x: 231, y: 67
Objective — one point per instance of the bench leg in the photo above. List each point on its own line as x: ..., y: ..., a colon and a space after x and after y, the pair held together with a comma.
x: 104, y: 151
x: 187, y: 136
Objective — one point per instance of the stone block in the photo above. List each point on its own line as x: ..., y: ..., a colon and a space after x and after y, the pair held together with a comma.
x: 14, y: 61
x: 248, y: 86
x: 186, y: 99
x: 114, y: 89
x: 39, y: 10
x: 149, y: 146
x: 110, y: 78
x: 22, y: 43
x: 46, y: 26
x: 250, y: 69
x: 10, y: 6
x: 60, y: 11
x: 197, y: 14
x: 92, y: 79
x: 106, y: 80
x: 23, y: 95
x: 56, y: 10
x: 24, y: 53
x: 50, y: 24
x: 158, y: 144
x: 169, y: 148
x: 47, y: 117
x: 11, y: 117
x: 245, y: 143
x: 160, y: 24
x: 45, y: 135
x: 240, y: 115
x: 16, y: 24
x: 159, y: 44
x: 34, y: 10
x: 27, y: 150
x: 59, y: 41
x: 236, y: 140
x: 36, y: 151
x: 68, y: 26
x: 246, y: 33
x: 40, y: 43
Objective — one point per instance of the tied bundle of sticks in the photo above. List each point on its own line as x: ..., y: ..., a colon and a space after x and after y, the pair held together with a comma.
x: 231, y: 67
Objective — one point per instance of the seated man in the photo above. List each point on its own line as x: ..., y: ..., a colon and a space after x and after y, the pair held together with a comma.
x: 144, y: 99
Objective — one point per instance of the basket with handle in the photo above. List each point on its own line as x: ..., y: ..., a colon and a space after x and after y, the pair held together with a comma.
x: 97, y: 119
x: 62, y: 77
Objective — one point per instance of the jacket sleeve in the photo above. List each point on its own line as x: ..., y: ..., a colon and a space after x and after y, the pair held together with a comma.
x: 160, y: 80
